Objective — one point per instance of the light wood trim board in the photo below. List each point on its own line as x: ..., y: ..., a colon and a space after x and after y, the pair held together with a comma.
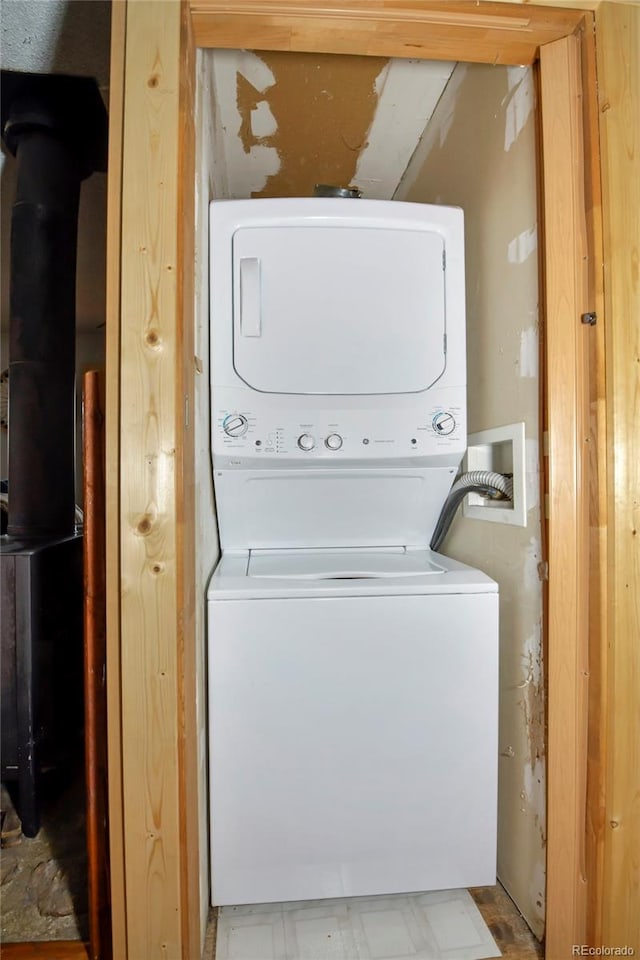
x: 596, y: 769
x: 618, y: 50
x: 185, y: 491
x: 566, y: 298
x: 112, y: 482
x: 431, y: 29
x: 151, y: 456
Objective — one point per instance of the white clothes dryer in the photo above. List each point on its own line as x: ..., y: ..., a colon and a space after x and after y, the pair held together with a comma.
x: 353, y: 724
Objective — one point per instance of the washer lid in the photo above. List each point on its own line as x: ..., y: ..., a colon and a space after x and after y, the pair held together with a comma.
x: 341, y: 564
x: 321, y: 309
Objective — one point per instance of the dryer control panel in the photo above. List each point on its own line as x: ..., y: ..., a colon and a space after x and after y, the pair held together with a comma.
x: 429, y: 426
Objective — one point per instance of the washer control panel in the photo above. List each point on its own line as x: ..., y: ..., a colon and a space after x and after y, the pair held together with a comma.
x: 420, y: 429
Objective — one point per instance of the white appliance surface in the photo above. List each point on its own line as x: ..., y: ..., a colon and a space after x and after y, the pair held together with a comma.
x: 350, y: 564
x: 310, y: 296
x: 338, y: 370
x: 330, y: 508
x: 352, y: 672
x: 353, y: 743
x: 260, y: 574
x: 317, y: 310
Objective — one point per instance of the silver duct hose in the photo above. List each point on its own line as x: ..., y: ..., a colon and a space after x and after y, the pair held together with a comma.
x: 494, y: 485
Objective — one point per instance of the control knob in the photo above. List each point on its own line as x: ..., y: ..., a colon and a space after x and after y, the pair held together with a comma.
x: 443, y: 423
x: 333, y: 441
x: 235, y: 425
x: 306, y: 441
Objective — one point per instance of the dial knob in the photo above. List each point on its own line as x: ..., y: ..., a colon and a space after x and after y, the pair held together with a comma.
x: 333, y: 441
x: 443, y: 423
x: 235, y: 425
x: 306, y: 441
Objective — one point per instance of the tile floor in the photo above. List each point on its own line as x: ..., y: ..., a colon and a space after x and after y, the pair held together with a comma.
x: 445, y: 925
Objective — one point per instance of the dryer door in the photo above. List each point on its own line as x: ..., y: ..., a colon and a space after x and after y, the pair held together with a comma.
x: 321, y: 309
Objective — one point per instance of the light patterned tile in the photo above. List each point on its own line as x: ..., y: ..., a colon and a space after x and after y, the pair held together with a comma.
x: 320, y: 930
x: 253, y: 937
x: 456, y: 925
x: 388, y: 935
x: 444, y: 925
x: 253, y: 942
x: 321, y: 939
x: 452, y: 926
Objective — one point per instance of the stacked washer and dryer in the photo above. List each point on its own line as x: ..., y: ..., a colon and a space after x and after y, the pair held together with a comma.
x: 352, y: 672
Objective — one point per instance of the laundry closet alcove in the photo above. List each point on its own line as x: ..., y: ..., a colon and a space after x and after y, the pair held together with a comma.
x: 157, y: 765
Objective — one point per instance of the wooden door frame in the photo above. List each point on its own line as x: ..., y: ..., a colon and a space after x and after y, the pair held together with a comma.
x: 154, y: 842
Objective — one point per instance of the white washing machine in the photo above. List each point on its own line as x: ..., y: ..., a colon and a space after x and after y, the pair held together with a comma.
x: 352, y: 672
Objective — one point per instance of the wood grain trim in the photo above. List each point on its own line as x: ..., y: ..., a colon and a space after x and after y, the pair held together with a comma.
x: 112, y: 481
x: 150, y: 458
x: 452, y: 13
x: 50, y: 949
x: 567, y: 379
x: 618, y: 51
x: 190, y: 838
x: 598, y: 479
x: 94, y: 665
x: 432, y: 29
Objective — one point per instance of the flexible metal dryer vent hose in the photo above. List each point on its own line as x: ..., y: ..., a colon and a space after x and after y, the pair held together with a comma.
x: 495, y: 485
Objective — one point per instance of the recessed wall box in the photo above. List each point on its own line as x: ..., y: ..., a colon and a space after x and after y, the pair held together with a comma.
x: 501, y: 450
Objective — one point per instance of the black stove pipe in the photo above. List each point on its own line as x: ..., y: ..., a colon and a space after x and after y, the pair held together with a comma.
x: 55, y: 126
x: 44, y: 230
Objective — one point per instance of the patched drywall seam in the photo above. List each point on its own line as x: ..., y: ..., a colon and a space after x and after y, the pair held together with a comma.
x: 523, y: 246
x: 531, y: 568
x: 241, y: 80
x: 533, y: 706
x: 263, y: 122
x: 532, y: 702
x: 532, y: 472
x: 529, y: 353
x: 521, y: 101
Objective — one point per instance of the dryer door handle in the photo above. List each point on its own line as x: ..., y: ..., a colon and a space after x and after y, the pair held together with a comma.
x: 250, y: 319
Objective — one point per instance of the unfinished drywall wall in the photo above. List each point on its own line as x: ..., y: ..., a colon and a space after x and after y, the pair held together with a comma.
x: 479, y: 153
x: 291, y: 120
x: 207, y: 546
x: 322, y: 107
